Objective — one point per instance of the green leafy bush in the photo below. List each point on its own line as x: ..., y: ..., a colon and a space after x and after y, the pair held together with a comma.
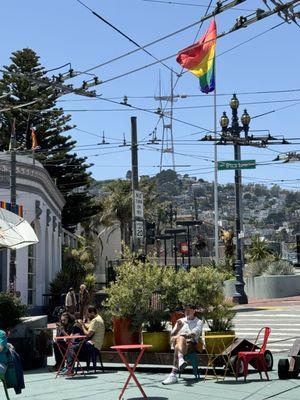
x: 11, y: 311
x: 203, y: 287
x: 130, y: 295
x: 107, y: 319
x: 219, y: 318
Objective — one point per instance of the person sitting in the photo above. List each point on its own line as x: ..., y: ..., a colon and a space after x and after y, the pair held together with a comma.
x: 3, y: 352
x: 65, y: 327
x: 184, y: 338
x: 94, y: 331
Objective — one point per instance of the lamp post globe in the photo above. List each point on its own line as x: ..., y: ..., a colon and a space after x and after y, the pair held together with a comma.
x: 234, y: 102
x: 245, y: 119
x: 224, y: 121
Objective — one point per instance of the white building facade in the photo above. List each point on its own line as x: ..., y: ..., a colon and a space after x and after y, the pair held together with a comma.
x: 36, y: 265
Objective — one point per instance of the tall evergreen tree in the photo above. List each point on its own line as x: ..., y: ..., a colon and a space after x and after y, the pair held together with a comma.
x: 22, y: 85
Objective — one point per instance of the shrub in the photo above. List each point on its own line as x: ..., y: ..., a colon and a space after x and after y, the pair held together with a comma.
x: 11, y: 311
x: 107, y: 319
x: 219, y: 318
x: 255, y: 268
x: 130, y: 295
x: 280, y: 267
x: 203, y: 287
x: 90, y: 283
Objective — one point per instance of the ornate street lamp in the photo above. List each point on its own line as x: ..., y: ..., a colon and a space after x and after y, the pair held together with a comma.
x: 234, y: 131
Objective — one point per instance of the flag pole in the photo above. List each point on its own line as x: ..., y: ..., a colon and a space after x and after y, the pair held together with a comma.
x: 216, y: 205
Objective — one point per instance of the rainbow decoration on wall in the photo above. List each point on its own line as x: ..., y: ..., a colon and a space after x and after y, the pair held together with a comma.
x: 8, y: 207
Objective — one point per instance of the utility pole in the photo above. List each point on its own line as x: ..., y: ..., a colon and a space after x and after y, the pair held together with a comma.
x: 134, y: 180
x: 13, y: 199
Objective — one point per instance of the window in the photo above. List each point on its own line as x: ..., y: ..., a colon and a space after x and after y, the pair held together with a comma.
x: 31, y: 274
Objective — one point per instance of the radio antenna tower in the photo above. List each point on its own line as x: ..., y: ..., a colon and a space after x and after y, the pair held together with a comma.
x: 167, y: 143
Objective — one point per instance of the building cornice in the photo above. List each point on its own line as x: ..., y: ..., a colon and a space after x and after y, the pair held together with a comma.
x: 35, y: 173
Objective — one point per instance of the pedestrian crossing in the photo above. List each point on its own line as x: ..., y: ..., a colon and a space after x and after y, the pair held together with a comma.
x: 284, y: 324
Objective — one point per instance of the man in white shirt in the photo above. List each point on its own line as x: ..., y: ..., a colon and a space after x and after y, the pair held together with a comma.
x: 184, y: 337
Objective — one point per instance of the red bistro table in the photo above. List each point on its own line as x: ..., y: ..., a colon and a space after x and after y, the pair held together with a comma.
x: 64, y: 351
x: 120, y: 349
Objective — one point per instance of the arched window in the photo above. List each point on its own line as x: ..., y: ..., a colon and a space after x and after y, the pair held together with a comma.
x: 31, y: 286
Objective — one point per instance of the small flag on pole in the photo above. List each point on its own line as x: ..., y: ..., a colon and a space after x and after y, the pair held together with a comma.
x: 199, y: 58
x: 34, y: 145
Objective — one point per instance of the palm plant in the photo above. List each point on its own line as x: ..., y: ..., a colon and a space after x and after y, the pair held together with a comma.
x: 259, y: 249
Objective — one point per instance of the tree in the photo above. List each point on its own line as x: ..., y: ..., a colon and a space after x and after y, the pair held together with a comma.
x: 117, y: 206
x: 22, y: 83
x: 77, y: 265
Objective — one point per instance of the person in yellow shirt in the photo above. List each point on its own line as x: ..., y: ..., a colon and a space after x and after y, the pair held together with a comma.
x: 94, y: 329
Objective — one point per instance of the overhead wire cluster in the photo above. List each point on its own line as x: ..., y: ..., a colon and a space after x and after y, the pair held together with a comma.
x: 283, y: 10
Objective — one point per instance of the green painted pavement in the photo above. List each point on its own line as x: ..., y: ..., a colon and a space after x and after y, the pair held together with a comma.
x: 42, y: 385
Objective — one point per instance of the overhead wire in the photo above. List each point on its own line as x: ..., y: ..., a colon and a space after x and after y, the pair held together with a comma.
x: 123, y: 34
x: 154, y: 42
x: 191, y: 4
x: 247, y: 103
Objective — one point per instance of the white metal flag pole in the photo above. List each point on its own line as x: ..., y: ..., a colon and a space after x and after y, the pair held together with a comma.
x: 216, y: 205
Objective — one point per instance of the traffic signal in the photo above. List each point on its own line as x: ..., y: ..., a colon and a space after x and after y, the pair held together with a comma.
x: 150, y: 232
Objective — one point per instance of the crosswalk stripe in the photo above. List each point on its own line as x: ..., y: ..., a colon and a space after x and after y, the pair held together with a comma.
x: 267, y: 315
x: 242, y: 323
x: 277, y: 333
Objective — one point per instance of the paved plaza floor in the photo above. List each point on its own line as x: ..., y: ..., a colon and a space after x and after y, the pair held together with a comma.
x: 42, y: 385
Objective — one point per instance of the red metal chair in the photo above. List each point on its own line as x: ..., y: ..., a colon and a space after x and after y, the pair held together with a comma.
x: 256, y: 356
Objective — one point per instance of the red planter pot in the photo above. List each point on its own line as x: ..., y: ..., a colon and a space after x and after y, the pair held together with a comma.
x: 175, y: 316
x: 123, y: 332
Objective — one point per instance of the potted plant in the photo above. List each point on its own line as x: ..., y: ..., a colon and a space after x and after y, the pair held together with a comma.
x: 219, y: 318
x: 129, y: 297
x: 155, y: 332
x: 11, y: 311
x: 172, y: 283
x: 109, y: 335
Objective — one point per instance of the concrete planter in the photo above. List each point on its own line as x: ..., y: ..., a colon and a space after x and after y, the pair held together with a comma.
x: 267, y: 287
x: 33, y: 341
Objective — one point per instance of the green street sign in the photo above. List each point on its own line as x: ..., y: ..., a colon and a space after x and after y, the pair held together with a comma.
x: 242, y: 164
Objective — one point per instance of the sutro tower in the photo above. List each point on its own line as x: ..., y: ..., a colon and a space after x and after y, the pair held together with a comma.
x: 167, y: 143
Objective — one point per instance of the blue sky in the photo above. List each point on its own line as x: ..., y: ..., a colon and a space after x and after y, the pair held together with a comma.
x: 64, y: 31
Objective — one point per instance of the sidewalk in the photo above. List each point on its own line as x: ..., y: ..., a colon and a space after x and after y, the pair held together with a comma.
x: 41, y: 384
x: 278, y: 302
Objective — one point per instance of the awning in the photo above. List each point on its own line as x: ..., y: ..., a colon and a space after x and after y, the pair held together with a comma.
x: 15, y: 232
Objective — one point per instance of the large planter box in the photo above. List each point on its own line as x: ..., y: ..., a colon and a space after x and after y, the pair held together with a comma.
x: 33, y: 341
x: 267, y: 287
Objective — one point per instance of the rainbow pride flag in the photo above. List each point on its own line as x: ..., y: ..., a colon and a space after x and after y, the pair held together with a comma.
x: 199, y: 58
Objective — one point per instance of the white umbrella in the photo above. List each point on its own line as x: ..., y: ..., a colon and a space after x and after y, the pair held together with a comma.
x: 15, y: 232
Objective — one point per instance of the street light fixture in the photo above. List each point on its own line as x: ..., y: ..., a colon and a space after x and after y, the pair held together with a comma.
x: 188, y: 224
x: 240, y: 296
x: 231, y: 136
